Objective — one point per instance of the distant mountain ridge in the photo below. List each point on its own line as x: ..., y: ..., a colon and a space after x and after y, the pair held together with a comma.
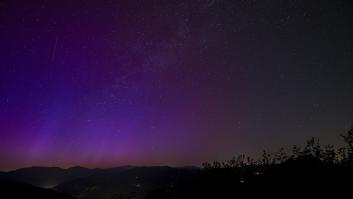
x: 46, y: 177
x: 85, y: 183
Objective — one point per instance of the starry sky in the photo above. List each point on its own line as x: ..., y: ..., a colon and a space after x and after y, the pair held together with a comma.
x: 164, y: 82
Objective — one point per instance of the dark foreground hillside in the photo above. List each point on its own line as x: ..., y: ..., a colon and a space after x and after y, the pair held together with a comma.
x: 302, y: 178
x: 12, y: 190
x: 311, y: 171
x: 132, y: 182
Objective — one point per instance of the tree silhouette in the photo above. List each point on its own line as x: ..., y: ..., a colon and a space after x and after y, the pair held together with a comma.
x: 349, y: 142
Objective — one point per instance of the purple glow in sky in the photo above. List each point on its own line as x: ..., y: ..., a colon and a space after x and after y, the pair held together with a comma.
x: 108, y: 83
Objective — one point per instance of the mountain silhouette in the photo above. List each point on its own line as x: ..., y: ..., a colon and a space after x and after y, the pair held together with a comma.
x: 46, y: 177
x: 110, y: 183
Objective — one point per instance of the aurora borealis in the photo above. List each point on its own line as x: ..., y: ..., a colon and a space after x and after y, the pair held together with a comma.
x: 107, y: 83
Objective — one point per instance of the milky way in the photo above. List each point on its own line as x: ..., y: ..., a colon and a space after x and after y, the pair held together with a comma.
x: 108, y: 83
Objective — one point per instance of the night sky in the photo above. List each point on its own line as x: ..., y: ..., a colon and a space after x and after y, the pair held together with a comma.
x: 160, y: 82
